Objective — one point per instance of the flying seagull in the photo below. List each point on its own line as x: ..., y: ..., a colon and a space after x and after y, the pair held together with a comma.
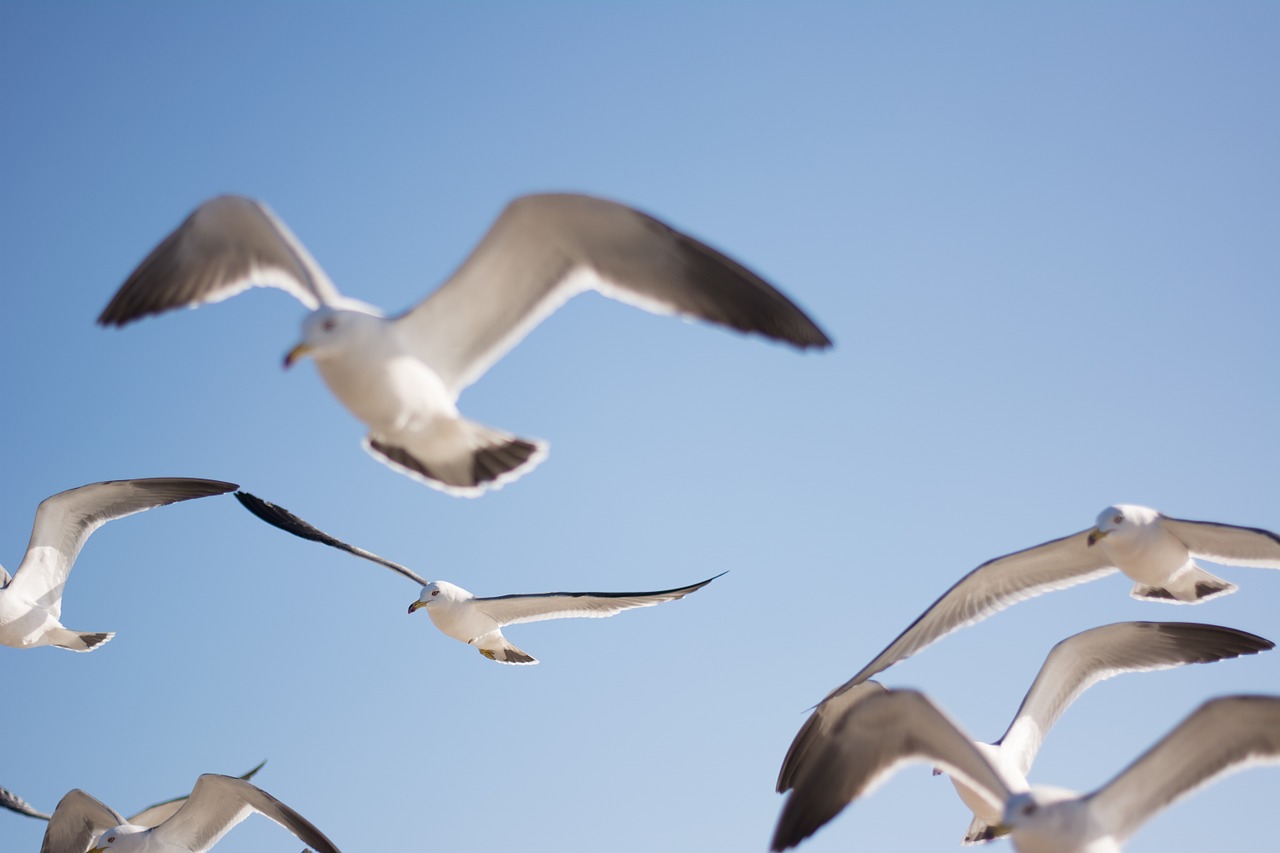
x: 473, y: 620
x: 885, y: 731
x: 1155, y: 551
x: 402, y: 375
x: 82, y: 824
x: 1072, y: 667
x: 150, y: 816
x: 31, y: 601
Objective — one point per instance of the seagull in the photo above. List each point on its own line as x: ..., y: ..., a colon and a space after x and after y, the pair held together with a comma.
x: 896, y: 727
x: 31, y: 601
x: 1155, y: 551
x: 471, y: 619
x: 1072, y: 667
x: 150, y: 816
x: 401, y: 376
x: 82, y: 824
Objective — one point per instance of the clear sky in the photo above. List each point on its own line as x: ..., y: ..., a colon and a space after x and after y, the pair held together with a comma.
x: 1043, y: 237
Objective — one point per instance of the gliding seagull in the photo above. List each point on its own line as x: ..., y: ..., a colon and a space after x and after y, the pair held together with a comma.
x: 470, y: 619
x: 402, y: 375
x: 31, y: 601
x: 82, y: 824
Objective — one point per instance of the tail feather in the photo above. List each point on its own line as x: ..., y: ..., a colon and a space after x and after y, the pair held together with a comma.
x: 459, y: 457
x: 78, y: 641
x: 980, y: 832
x: 498, y: 648
x: 1191, y: 585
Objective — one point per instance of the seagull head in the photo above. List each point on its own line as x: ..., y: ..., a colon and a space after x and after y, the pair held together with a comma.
x: 1121, y: 518
x: 116, y: 839
x: 329, y: 330
x: 437, y: 592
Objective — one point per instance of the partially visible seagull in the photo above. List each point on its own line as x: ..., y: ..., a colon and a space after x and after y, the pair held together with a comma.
x: 1154, y: 550
x: 82, y: 824
x: 402, y: 375
x: 31, y: 601
x: 473, y: 620
x: 150, y: 816
x: 1072, y: 667
x: 896, y: 727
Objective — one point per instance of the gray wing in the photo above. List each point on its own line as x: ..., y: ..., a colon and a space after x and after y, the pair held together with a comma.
x: 278, y: 516
x: 1221, y: 736
x: 1227, y: 543
x: 156, y: 814
x: 514, y: 609
x: 78, y: 819
x: 1081, y: 661
x: 218, y: 803
x: 14, y: 803
x: 65, y: 520
x: 866, y: 745
x: 227, y: 245
x: 545, y: 249
x: 991, y: 587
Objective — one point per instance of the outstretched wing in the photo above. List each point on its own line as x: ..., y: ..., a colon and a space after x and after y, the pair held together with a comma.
x: 1081, y: 661
x: 545, y: 249
x: 78, y: 820
x: 514, y: 609
x: 869, y: 741
x: 278, y: 516
x: 65, y: 520
x: 1227, y: 543
x: 991, y: 587
x: 1222, y: 735
x: 218, y: 803
x: 227, y: 245
x: 14, y: 803
x: 158, y: 813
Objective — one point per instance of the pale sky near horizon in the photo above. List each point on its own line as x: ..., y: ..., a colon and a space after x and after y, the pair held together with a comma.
x: 1042, y: 236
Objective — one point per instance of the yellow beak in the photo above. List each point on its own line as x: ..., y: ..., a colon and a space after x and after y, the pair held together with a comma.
x: 1095, y: 534
x: 416, y: 605
x: 296, y: 353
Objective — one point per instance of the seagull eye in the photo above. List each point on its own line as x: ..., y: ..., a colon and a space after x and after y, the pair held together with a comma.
x: 435, y: 592
x: 111, y: 840
x: 1029, y: 809
x: 1117, y: 519
x: 328, y: 324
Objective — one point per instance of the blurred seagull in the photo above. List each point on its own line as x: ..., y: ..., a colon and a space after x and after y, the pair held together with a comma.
x: 82, y: 824
x: 402, y: 375
x: 1072, y: 667
x: 31, y: 601
x: 1154, y: 550
x: 885, y: 731
x: 150, y: 816
x: 479, y: 621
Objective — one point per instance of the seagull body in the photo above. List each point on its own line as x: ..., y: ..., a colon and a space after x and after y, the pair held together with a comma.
x: 896, y: 727
x: 465, y: 617
x: 82, y: 824
x: 1155, y: 551
x: 402, y: 375
x: 31, y: 601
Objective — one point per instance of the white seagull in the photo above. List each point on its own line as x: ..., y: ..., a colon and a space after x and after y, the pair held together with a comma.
x: 1155, y: 551
x: 1072, y: 667
x: 402, y: 375
x: 896, y: 727
x: 150, y: 816
x: 31, y: 601
x: 473, y: 620
x: 82, y: 824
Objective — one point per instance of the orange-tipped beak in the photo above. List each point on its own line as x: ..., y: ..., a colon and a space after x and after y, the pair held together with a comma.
x: 296, y: 353
x: 1095, y: 535
x: 416, y: 605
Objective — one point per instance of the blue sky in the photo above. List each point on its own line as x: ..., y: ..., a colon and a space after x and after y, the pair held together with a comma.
x: 1043, y: 237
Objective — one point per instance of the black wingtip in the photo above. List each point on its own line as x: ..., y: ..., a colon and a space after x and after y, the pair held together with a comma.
x: 280, y: 517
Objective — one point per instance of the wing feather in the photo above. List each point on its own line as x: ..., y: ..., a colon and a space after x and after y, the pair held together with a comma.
x: 77, y: 821
x: 514, y: 609
x: 218, y: 803
x: 1227, y: 543
x: 544, y: 249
